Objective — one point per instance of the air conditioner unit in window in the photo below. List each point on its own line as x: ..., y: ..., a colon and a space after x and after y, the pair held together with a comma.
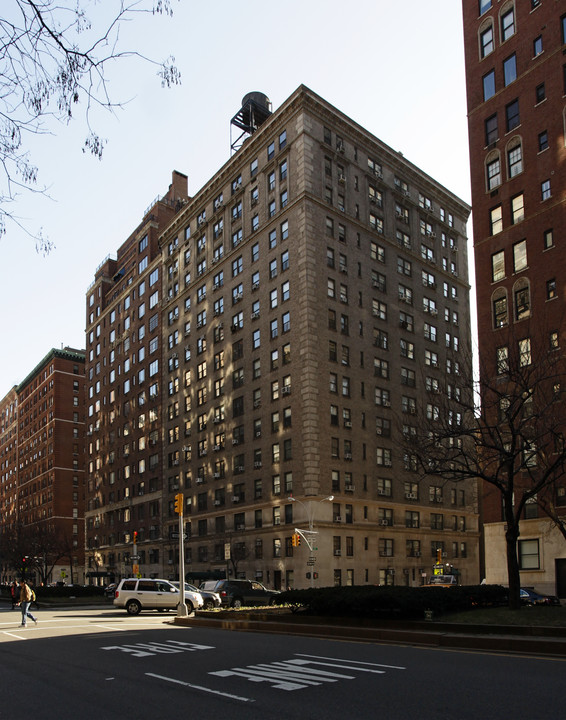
x: 217, y: 502
x: 338, y: 552
x: 384, y: 522
x: 382, y: 492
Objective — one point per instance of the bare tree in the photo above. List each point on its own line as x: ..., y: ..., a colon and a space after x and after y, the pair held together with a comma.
x: 505, y: 430
x: 34, y: 548
x: 54, y: 59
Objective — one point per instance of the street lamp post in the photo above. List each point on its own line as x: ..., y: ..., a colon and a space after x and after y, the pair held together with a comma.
x: 309, y: 509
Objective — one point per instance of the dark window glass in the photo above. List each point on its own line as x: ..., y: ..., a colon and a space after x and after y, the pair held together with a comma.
x: 510, y: 69
x: 491, y: 131
x: 489, y: 85
x: 512, y: 115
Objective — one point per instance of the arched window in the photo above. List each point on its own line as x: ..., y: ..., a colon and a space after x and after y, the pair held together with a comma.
x: 499, y: 308
x: 493, y: 170
x: 522, y: 299
x: 486, y: 38
x: 514, y: 151
x: 507, y: 21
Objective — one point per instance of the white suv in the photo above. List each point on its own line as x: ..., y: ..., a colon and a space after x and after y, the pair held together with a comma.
x: 152, y: 594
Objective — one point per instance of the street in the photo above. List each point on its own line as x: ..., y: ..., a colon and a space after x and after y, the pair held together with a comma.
x: 101, y: 663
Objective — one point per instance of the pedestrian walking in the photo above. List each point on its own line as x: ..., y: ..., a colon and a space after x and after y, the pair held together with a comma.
x: 26, y: 596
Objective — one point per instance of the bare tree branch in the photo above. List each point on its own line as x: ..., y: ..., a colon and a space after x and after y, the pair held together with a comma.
x: 52, y: 59
x: 513, y: 442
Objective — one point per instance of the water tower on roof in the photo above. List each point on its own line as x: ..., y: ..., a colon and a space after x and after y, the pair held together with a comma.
x: 256, y: 108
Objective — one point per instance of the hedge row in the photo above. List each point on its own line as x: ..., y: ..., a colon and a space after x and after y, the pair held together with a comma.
x: 370, y: 601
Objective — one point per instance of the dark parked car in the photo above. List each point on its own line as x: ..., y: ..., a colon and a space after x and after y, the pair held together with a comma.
x: 531, y: 597
x: 235, y: 593
x: 109, y: 590
x: 210, y: 600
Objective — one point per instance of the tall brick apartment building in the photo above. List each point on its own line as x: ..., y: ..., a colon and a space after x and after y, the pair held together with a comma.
x: 516, y: 82
x: 263, y: 350
x: 42, y: 466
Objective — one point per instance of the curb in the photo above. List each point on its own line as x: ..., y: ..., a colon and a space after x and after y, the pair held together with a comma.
x: 439, y: 637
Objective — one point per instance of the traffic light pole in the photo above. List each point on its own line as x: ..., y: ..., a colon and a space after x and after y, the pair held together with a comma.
x: 309, y: 535
x: 182, y: 610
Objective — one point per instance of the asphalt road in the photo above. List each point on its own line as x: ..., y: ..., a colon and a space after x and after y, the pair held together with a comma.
x: 103, y: 664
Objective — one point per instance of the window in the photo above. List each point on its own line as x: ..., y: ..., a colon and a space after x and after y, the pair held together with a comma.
x: 496, y: 220
x: 502, y: 360
x: 491, y: 130
x: 548, y: 240
x: 522, y: 300
x: 517, y: 209
x: 545, y: 190
x: 493, y: 170
x: 507, y: 24
x: 484, y: 5
x: 540, y: 93
x: 486, y: 42
x: 529, y: 556
x: 489, y: 85
x: 510, y: 69
x: 512, y: 117
x: 543, y: 140
x: 500, y: 309
x: 525, y: 352
x: 520, y: 256
x: 551, y: 292
x: 515, y: 159
x: 537, y: 46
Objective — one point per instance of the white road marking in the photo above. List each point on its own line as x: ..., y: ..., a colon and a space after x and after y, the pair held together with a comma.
x: 354, y: 662
x: 156, y: 648
x: 200, y: 687
x: 294, y: 674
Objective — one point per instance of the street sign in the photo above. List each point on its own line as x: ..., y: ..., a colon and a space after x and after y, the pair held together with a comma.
x: 312, y: 557
x: 134, y: 557
x: 175, y: 536
x: 310, y: 562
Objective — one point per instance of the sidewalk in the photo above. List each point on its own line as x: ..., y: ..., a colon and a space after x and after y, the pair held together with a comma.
x: 506, y: 639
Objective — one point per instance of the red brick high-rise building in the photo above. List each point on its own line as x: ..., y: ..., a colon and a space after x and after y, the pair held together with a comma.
x: 42, y: 471
x: 516, y: 82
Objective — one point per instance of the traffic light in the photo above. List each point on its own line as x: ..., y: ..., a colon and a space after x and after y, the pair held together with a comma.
x: 179, y: 503
x: 135, y: 536
x: 295, y: 540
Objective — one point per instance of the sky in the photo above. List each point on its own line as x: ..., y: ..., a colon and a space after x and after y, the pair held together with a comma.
x: 396, y: 68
